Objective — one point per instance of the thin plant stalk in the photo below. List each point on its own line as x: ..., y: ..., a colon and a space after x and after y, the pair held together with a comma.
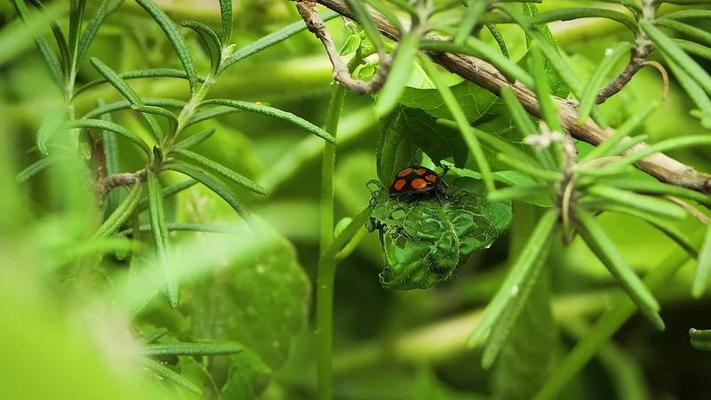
x: 327, y: 265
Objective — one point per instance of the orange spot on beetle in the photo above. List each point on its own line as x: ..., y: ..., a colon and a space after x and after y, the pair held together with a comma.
x: 420, y: 171
x: 432, y: 178
x: 398, y: 185
x: 418, y: 184
x: 404, y: 172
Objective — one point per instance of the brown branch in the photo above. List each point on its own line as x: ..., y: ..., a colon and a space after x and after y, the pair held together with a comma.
x: 637, y: 61
x: 480, y: 72
x: 341, y: 74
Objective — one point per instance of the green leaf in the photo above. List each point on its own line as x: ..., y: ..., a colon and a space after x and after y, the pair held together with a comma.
x: 569, y: 14
x: 50, y: 58
x: 693, y: 89
x: 195, y: 139
x: 129, y: 94
x: 668, y: 47
x: 76, y: 16
x: 640, y: 202
x: 170, y: 376
x: 160, y: 111
x: 210, y: 42
x: 465, y: 129
x: 658, y: 188
x: 171, y: 31
x: 192, y: 349
x: 477, y: 48
x: 36, y: 167
x: 694, y: 48
x: 702, y: 270
x: 139, y: 74
x: 604, y: 148
x: 517, y: 276
x: 160, y: 236
x: 700, y: 339
x: 226, y: 17
x: 122, y: 213
x: 213, y: 184
x: 395, y: 148
x: 399, y: 73
x: 104, y: 10
x: 343, y: 237
x: 589, y: 96
x: 275, y: 113
x: 104, y: 109
x: 272, y: 39
x: 168, y: 192
x: 549, y: 110
x: 51, y: 124
x: 698, y: 34
x: 605, y: 250
x: 263, y: 300
x: 499, y: 38
x: 475, y: 8
x: 111, y: 127
x: 220, y: 170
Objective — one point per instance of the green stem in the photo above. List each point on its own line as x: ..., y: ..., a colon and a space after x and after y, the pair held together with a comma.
x: 327, y: 265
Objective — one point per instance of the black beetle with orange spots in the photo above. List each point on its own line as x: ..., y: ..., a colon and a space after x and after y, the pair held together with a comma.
x: 418, y: 182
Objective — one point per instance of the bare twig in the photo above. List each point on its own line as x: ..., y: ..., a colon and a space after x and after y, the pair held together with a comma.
x: 340, y: 71
x: 482, y: 73
x: 121, y: 179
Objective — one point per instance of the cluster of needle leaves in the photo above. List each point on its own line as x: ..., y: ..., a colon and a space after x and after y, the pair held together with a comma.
x: 574, y: 189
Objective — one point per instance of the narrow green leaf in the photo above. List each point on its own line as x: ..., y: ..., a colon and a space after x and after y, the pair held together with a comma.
x: 219, y: 169
x: 640, y: 202
x: 478, y: 48
x: 499, y: 38
x: 698, y: 34
x: 104, y: 10
x: 659, y: 188
x: 272, y: 39
x: 517, y: 276
x: 51, y: 123
x: 168, y: 192
x: 700, y: 339
x: 518, y: 193
x: 76, y: 17
x: 210, y: 42
x: 692, y: 88
x: 171, y: 376
x: 210, y: 114
x: 195, y: 139
x: 160, y: 111
x: 192, y: 349
x: 569, y: 14
x: 111, y: 127
x: 462, y: 123
x: 542, y: 88
x: 387, y: 12
x: 596, y: 81
x: 399, y: 74
x: 604, y: 148
x: 160, y: 236
x: 128, y: 93
x: 50, y: 58
x: 664, y: 145
x: 343, y: 237
x: 213, y: 184
x: 475, y: 8
x: 702, y: 270
x: 175, y: 39
x: 65, y: 58
x: 122, y: 213
x: 226, y: 17
x: 666, y: 45
x: 501, y: 330
x: 606, y: 251
x: 694, y: 48
x: 125, y: 105
x: 36, y: 167
x: 139, y: 74
x: 276, y: 113
x: 155, y: 335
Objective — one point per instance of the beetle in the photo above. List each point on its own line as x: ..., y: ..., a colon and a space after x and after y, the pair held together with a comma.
x: 417, y: 182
